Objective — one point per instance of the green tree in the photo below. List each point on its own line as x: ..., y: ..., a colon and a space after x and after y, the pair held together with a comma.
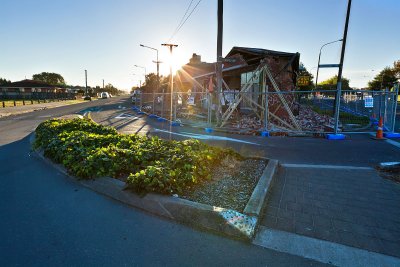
x: 111, y: 89
x: 331, y: 83
x: 50, y: 78
x: 4, y: 81
x: 150, y: 84
x: 384, y: 79
x: 396, y: 68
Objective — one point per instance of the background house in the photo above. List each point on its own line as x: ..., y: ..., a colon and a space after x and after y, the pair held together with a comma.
x: 27, y: 89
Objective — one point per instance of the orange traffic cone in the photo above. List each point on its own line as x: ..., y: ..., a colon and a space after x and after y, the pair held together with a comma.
x: 379, y: 131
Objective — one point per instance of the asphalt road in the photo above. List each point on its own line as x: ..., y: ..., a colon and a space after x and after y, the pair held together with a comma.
x: 49, y: 220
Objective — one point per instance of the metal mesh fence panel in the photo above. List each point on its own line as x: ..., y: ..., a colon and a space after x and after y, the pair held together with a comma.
x: 274, y: 111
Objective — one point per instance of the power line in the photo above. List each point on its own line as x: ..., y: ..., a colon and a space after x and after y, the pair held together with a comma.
x: 180, y: 22
x: 183, y: 23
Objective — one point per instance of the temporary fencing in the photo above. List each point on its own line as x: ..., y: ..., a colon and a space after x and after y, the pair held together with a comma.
x: 279, y: 112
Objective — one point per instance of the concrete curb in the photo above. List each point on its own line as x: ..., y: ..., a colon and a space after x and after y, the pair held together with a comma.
x: 215, y: 219
x: 264, y: 185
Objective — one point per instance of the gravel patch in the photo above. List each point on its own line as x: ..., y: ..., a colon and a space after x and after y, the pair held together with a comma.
x: 231, y: 185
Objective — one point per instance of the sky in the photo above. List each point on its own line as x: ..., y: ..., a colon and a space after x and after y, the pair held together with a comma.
x: 104, y: 36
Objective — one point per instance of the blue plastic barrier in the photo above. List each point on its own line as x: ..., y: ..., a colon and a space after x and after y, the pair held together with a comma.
x: 161, y: 119
x: 335, y: 136
x: 265, y: 134
x: 391, y: 135
x: 209, y: 130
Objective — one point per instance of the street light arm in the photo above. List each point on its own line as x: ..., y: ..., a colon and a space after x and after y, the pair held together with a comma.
x: 319, y: 59
x: 340, y: 40
x: 149, y: 47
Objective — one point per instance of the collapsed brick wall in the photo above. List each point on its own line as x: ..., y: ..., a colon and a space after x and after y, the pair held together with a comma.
x: 285, y: 81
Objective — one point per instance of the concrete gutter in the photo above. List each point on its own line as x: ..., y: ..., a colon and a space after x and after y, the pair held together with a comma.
x: 215, y: 219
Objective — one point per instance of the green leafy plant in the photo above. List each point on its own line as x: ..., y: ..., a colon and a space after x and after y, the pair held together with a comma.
x: 149, y: 164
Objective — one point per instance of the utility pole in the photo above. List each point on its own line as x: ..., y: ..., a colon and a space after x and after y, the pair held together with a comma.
x: 339, y: 79
x: 86, y: 91
x: 219, y: 60
x: 103, y: 84
x: 171, y: 78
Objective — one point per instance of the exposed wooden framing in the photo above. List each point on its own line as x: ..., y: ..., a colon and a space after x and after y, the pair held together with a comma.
x: 253, y: 104
x: 283, y: 100
x: 239, y: 98
x: 245, y: 89
x: 226, y: 85
x: 265, y: 101
x: 282, y: 121
x: 272, y: 114
x: 277, y: 108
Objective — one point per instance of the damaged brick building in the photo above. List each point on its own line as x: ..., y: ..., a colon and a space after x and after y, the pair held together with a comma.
x: 248, y: 73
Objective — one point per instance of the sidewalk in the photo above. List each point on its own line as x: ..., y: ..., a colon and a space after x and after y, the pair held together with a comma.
x: 34, y: 107
x: 349, y: 206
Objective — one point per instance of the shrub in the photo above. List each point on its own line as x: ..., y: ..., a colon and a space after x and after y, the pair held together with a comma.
x: 150, y: 164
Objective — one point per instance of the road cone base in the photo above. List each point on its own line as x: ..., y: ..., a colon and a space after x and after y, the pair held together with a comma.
x: 376, y: 138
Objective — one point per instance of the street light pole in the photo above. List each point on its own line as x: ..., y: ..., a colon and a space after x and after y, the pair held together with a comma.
x: 171, y: 79
x: 158, y: 76
x: 86, y: 91
x: 319, y: 59
x: 158, y: 65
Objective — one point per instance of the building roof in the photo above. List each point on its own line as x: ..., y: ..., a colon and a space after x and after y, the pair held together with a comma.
x: 29, y: 84
x: 258, y: 52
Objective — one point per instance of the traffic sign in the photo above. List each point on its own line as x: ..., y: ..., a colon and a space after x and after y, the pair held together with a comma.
x: 303, y: 80
x: 368, y: 102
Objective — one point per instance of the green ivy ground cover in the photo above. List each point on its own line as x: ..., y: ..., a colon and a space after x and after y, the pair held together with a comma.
x: 90, y: 150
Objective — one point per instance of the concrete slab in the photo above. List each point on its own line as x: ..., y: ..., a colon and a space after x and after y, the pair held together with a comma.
x: 320, y: 250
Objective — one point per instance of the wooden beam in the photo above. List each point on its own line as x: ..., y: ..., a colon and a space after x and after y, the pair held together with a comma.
x: 283, y: 100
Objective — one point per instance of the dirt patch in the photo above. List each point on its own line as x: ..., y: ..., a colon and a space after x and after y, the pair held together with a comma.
x: 231, y: 185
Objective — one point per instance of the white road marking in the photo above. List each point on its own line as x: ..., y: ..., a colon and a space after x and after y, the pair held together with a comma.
x: 288, y: 165
x: 126, y: 116
x: 320, y: 250
x: 206, y: 137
